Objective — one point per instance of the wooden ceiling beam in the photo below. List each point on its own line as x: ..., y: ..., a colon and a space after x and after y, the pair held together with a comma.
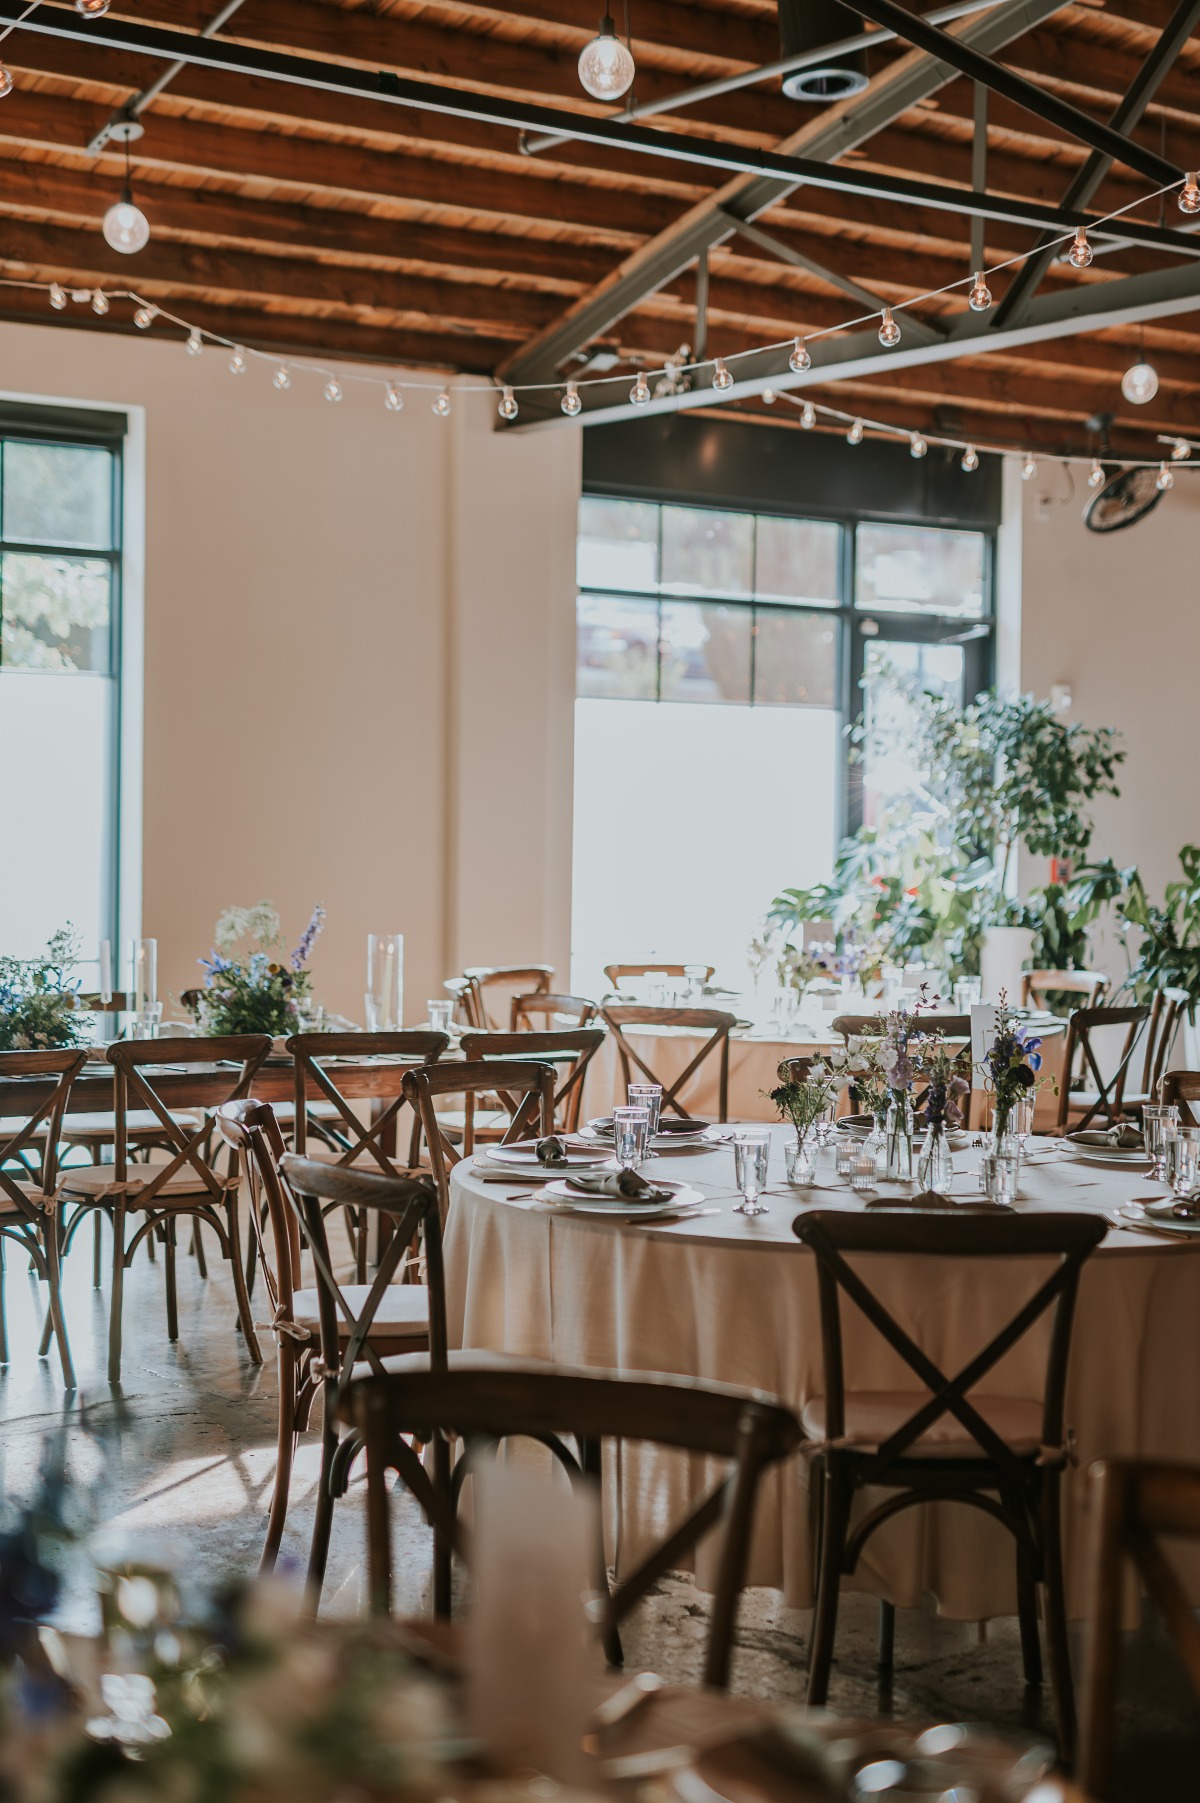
x: 1087, y: 68
x: 734, y: 36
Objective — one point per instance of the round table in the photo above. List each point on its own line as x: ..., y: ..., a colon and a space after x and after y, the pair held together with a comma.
x: 731, y: 1298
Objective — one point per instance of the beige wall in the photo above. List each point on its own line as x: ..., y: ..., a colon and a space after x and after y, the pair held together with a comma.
x: 358, y: 630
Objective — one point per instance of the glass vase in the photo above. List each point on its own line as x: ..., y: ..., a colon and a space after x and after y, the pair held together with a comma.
x: 898, y: 1167
x: 934, y: 1170
x: 800, y: 1157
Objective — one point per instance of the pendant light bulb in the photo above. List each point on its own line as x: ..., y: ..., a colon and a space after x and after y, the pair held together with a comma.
x: 808, y: 418
x: 92, y: 9
x: 507, y: 408
x: 1139, y: 384
x: 1166, y: 478
x: 144, y: 316
x: 721, y: 376
x: 980, y: 297
x: 333, y: 389
x: 1181, y: 450
x: 639, y: 394
x: 606, y: 65
x: 1096, y: 473
x: 855, y: 434
x: 126, y: 227
x: 769, y: 397
x: 237, y: 363
x: 6, y: 83
x: 58, y: 296
x: 442, y: 405
x: 393, y: 398
x: 799, y: 360
x: 282, y: 378
x: 970, y: 459
x: 99, y: 302
x: 1029, y: 468
x: 571, y: 403
x: 1189, y: 194
x: 917, y: 446
x: 889, y: 331
x: 195, y: 343
x: 1080, y: 253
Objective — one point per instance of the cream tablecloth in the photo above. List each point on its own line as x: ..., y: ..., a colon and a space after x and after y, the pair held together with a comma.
x: 733, y: 1299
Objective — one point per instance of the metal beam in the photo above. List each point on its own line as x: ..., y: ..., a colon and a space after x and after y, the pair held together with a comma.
x: 1088, y: 178
x: 920, y: 329
x: 700, y: 337
x: 137, y: 104
x: 981, y: 67
x: 838, y: 130
x: 1128, y: 300
x: 979, y: 148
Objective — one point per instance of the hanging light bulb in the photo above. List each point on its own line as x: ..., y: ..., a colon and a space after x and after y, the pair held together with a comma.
x: 1166, y: 478
x: 92, y: 9
x: 970, y: 459
x: 606, y: 65
x: 145, y: 316
x: 799, y: 360
x: 768, y: 397
x: 99, y: 302
x: 917, y: 447
x: 442, y: 405
x: 721, y: 376
x: 855, y: 434
x: 1080, y: 253
x: 1181, y: 450
x: 808, y: 418
x: 237, y: 363
x: 6, y: 80
x: 1189, y: 194
x: 333, y: 389
x: 1139, y: 384
x: 282, y: 378
x: 980, y: 297
x: 1029, y: 468
x: 393, y: 399
x: 639, y: 394
x: 508, y: 405
x: 125, y: 226
x: 58, y: 296
x: 571, y: 403
x: 195, y: 343
x: 1096, y: 473
x: 889, y: 331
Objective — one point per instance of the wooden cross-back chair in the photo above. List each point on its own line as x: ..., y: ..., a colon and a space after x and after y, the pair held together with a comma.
x: 746, y: 1430
x: 713, y: 1021
x: 1079, y: 1107
x: 514, y: 979
x: 574, y: 1049
x: 1166, y: 1012
x: 935, y: 1441
x: 1133, y: 1506
x: 1088, y: 985
x: 616, y: 973
x: 184, y: 1181
x: 322, y: 1332
x: 29, y: 1188
x: 545, y: 1012
x: 346, y: 1140
x: 529, y: 1083
x: 1183, y: 1089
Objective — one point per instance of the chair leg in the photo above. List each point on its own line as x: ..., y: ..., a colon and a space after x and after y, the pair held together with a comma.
x: 118, y: 1292
x: 172, y: 1298
x: 443, y: 1552
x: 3, y: 1313
x: 96, y: 1247
x: 54, y: 1285
x: 590, y: 1460
x: 318, y: 1555
x: 285, y: 1453
x: 1057, y: 1644
x: 829, y: 1580
x: 198, y: 1250
x: 887, y: 1637
x: 1031, y: 1646
x: 245, y: 1319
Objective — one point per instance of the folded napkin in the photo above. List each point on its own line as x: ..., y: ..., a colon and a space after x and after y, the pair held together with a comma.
x: 677, y: 1124
x: 551, y: 1150
x: 623, y: 1186
x: 926, y: 1198
x: 1125, y: 1138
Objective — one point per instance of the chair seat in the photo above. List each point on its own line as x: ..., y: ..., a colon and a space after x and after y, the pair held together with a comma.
x: 873, y: 1416
x: 403, y: 1312
x: 362, y: 1161
x: 81, y: 1129
x: 9, y: 1209
x: 99, y: 1180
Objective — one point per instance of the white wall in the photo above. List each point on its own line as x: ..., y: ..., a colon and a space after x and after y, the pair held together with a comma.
x: 358, y: 643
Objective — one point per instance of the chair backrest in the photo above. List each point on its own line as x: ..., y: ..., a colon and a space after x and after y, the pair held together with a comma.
x: 117, y: 1003
x: 1166, y: 1012
x: 38, y: 1132
x: 917, y: 1234
x: 249, y: 1128
x: 713, y: 1021
x: 746, y: 1430
x: 525, y: 1079
x: 1132, y: 1504
x: 546, y: 1013
x: 616, y: 973
x: 1182, y: 1088
x: 575, y: 1049
x: 136, y: 1060
x: 352, y: 1137
x: 1080, y: 1046
x: 485, y: 982
x: 1036, y: 985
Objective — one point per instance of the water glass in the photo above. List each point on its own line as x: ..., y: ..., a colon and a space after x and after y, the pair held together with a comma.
x: 657, y: 992
x: 968, y: 992
x: 846, y: 1157
x: 1000, y: 1173
x: 893, y: 982
x: 1159, y: 1121
x: 865, y: 1166
x: 696, y: 976
x: 312, y: 1016
x: 631, y: 1130
x: 145, y: 1023
x: 385, y: 982
x: 751, y: 1153
x: 800, y: 1159
x: 649, y: 1097
x: 1183, y: 1159
x: 441, y: 1012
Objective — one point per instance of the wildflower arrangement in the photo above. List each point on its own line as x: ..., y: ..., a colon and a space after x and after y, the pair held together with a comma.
x: 251, y: 990
x: 900, y: 1041
x: 807, y: 1102
x: 863, y: 1064
x: 1010, y: 1069
x: 937, y: 1063
x: 37, y: 998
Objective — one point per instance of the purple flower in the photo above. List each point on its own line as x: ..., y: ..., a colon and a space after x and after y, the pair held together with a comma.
x: 308, y: 938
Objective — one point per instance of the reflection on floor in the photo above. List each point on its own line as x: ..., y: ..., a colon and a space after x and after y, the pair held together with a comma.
x: 186, y: 1451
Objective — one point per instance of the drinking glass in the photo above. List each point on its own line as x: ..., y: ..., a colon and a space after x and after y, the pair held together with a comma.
x: 865, y: 1164
x: 143, y: 975
x: 846, y: 1158
x: 696, y: 976
x: 751, y: 1153
x: 441, y: 1012
x: 826, y: 1126
x: 145, y: 1023
x: 1022, y: 1119
x: 656, y: 988
x: 631, y: 1130
x: 800, y: 1159
x: 1184, y: 1158
x: 1159, y: 1120
x: 649, y: 1097
x: 968, y: 992
x: 385, y: 982
x: 893, y: 982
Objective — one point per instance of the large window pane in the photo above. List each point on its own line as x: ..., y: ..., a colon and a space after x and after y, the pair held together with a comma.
x: 616, y: 647
x: 895, y: 674
x: 57, y: 494
x: 798, y: 560
x: 618, y: 544
x: 795, y: 659
x: 55, y: 612
x: 705, y: 652
x: 916, y: 569
x: 707, y: 553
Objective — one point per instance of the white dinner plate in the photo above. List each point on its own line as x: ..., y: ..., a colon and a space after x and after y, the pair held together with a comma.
x: 523, y: 1153
x: 662, y: 1142
x: 1158, y: 1215
x: 1114, y: 1155
x: 682, y: 1197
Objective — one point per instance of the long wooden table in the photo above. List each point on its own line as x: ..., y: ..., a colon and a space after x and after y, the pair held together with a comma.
x: 202, y: 1086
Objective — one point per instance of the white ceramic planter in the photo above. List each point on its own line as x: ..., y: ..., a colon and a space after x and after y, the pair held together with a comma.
x: 1006, y: 951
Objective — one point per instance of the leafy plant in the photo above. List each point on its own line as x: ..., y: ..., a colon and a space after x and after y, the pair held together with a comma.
x: 1169, y: 953
x: 37, y: 998
x: 255, y: 992
x: 806, y: 1102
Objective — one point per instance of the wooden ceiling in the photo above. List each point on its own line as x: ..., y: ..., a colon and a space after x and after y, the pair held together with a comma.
x: 292, y: 218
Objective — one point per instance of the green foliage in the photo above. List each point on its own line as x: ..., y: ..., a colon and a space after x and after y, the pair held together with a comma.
x: 804, y: 1103
x: 1169, y: 953
x: 37, y: 998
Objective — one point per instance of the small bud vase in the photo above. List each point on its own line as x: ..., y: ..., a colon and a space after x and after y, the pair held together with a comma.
x: 898, y: 1167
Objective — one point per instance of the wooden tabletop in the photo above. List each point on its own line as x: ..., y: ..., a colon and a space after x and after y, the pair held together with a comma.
x: 201, y: 1086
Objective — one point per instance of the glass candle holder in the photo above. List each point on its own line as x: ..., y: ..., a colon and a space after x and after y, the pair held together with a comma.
x: 384, y: 997
x: 143, y: 974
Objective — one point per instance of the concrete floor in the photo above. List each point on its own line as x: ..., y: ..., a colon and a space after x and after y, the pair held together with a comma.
x: 185, y: 1452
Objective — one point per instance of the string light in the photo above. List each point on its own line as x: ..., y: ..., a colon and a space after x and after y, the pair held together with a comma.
x: 808, y: 418
x: 195, y: 343
x: 1080, y: 253
x: 333, y: 389
x: 571, y: 403
x: 508, y: 405
x: 237, y: 363
x: 6, y: 80
x: 1189, y: 194
x: 639, y: 394
x: 1181, y: 450
x: 1139, y: 384
x: 721, y: 376
x: 980, y: 297
x: 92, y: 9
x: 606, y: 65
x: 970, y: 459
x: 1166, y: 478
x: 799, y: 360
x: 144, y: 317
x: 1096, y: 473
x: 1029, y: 468
x: 393, y: 399
x: 58, y: 296
x: 282, y: 378
x: 917, y: 447
x: 855, y: 434
x: 442, y: 405
x: 889, y: 331
x: 99, y: 302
